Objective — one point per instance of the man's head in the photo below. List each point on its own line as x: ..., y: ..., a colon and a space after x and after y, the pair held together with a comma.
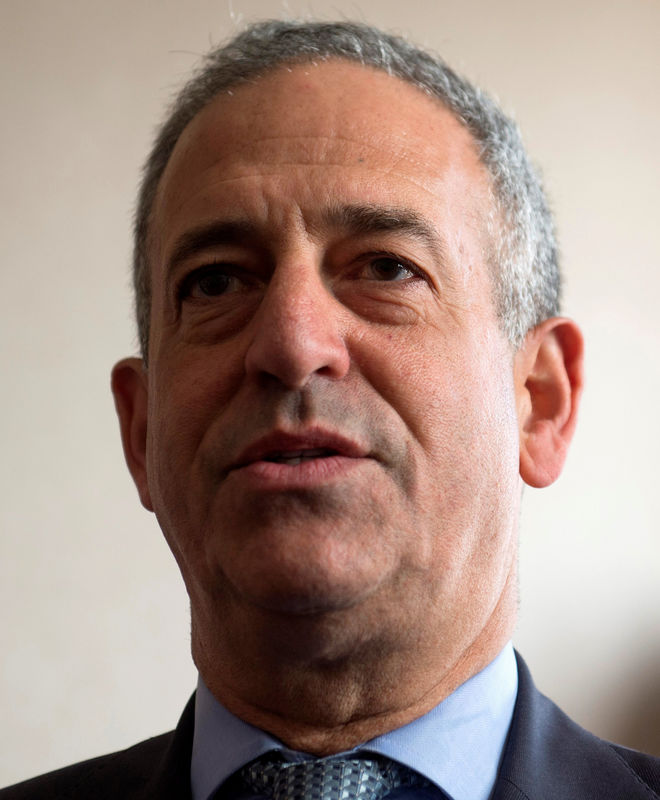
x: 333, y: 425
x: 522, y: 252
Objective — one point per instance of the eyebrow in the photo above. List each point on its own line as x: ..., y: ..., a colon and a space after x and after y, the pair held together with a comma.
x: 355, y: 220
x: 366, y: 219
x: 208, y: 236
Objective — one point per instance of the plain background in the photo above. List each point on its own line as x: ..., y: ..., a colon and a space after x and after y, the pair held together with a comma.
x: 94, y: 631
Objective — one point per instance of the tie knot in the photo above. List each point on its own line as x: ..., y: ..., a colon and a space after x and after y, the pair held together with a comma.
x: 366, y: 778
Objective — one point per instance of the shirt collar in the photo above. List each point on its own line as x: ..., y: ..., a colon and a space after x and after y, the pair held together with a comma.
x: 457, y: 745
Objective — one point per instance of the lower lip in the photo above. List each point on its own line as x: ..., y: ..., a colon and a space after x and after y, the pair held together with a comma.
x: 273, y: 476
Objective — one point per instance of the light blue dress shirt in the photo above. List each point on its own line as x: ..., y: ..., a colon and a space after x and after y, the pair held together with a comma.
x: 457, y: 745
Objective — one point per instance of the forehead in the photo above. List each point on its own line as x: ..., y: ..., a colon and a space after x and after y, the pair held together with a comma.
x: 335, y: 116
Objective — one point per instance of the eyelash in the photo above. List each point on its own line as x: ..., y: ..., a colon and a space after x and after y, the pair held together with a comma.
x: 184, y: 288
x: 371, y: 258
x: 186, y: 284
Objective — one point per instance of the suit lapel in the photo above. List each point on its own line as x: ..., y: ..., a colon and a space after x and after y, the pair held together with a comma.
x: 171, y: 778
x: 547, y: 756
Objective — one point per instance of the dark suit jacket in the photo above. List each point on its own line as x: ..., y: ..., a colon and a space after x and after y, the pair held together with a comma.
x: 547, y: 757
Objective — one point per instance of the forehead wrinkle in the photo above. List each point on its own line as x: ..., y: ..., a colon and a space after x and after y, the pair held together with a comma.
x: 357, y: 217
x: 316, y: 141
x: 267, y: 164
x: 268, y: 169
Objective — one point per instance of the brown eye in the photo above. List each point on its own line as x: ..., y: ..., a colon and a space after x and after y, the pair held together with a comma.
x: 213, y: 283
x: 386, y: 268
x: 209, y: 281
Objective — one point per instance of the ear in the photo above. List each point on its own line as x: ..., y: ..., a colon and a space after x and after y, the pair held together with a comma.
x: 129, y: 387
x: 548, y: 371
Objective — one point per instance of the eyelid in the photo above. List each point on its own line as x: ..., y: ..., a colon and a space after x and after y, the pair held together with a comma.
x: 405, y: 262
x: 184, y: 284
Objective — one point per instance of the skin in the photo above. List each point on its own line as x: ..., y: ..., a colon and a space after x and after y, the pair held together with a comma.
x: 337, y: 598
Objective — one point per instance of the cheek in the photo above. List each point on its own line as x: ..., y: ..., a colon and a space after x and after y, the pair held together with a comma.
x: 445, y: 390
x: 190, y: 386
x: 458, y: 406
x: 187, y: 396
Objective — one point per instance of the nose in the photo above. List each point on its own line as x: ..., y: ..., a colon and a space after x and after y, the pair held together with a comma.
x: 298, y: 331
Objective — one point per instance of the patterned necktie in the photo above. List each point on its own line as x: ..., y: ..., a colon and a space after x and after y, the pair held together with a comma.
x: 369, y: 778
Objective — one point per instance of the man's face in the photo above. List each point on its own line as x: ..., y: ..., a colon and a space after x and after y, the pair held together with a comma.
x: 331, y: 429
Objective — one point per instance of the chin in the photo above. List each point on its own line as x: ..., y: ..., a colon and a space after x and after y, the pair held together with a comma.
x: 303, y: 571
x: 314, y: 598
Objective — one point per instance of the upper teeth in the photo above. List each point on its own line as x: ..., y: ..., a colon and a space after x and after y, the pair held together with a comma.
x: 293, y: 457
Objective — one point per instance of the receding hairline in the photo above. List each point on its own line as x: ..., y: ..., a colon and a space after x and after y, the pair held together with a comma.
x: 524, y: 259
x: 288, y: 66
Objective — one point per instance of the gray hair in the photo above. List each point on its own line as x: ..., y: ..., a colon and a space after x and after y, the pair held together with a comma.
x: 523, y: 257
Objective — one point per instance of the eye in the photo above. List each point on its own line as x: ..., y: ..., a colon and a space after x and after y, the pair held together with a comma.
x: 211, y: 280
x: 390, y: 268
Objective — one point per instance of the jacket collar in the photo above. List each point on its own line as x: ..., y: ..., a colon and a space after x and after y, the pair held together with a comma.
x: 548, y: 756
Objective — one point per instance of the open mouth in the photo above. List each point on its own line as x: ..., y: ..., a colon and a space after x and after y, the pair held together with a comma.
x: 294, y: 457
x: 318, y: 455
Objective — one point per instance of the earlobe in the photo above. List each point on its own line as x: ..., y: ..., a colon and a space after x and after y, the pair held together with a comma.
x: 129, y: 387
x: 549, y: 379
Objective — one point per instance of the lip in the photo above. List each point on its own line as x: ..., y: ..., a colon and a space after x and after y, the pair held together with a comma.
x: 254, y: 467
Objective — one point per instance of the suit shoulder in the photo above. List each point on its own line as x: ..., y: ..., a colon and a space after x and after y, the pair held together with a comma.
x: 645, y: 767
x: 549, y: 756
x: 122, y: 774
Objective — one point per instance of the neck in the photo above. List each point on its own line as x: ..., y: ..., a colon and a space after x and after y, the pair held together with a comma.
x: 323, y: 701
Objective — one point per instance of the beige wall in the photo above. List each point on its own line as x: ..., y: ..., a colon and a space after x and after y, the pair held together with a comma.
x: 94, y: 632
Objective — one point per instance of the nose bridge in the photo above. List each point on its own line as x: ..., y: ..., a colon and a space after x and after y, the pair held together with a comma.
x: 296, y: 288
x: 298, y: 327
